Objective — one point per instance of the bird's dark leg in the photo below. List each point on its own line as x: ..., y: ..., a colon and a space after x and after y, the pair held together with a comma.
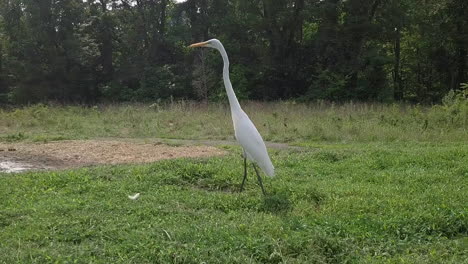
x: 259, y: 179
x: 245, y: 173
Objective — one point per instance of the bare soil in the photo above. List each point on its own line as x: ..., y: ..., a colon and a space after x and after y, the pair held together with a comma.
x: 66, y: 154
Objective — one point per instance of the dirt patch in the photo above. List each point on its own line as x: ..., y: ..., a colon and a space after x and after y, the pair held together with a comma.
x: 16, y: 157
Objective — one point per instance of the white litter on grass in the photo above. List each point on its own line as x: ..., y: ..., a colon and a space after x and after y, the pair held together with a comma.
x: 10, y: 167
x: 135, y: 196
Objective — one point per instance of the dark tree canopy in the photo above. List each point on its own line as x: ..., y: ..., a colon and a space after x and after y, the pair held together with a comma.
x: 135, y: 50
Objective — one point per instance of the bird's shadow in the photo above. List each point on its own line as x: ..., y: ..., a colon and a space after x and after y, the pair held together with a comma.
x: 277, y: 203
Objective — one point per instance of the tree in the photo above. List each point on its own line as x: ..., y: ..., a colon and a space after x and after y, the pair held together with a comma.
x: 127, y: 50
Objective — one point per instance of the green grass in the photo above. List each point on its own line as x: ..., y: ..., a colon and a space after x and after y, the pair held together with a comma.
x: 281, y: 121
x: 347, y: 203
x: 371, y: 184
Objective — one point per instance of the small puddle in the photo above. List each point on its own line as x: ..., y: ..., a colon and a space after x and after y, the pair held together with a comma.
x: 10, y: 166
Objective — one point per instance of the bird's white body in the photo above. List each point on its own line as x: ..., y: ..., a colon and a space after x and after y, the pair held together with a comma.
x: 245, y: 131
x: 248, y: 137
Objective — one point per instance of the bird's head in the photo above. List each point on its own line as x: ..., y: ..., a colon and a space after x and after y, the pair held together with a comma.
x: 212, y: 43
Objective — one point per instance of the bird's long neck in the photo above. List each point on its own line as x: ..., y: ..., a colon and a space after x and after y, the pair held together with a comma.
x: 233, y: 102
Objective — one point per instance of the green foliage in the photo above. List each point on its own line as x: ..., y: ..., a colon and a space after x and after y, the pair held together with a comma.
x: 14, y: 137
x: 329, y: 86
x: 455, y: 107
x: 239, y: 74
x: 157, y: 82
x: 92, y: 51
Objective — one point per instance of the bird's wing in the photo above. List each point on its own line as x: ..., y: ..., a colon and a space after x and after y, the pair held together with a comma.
x: 248, y: 137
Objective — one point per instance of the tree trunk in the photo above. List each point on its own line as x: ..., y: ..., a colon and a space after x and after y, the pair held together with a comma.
x: 158, y: 48
x: 2, y: 83
x: 295, y: 29
x: 357, y: 44
x: 162, y: 18
x: 397, y: 85
x: 143, y: 27
x: 461, y: 76
x: 106, y: 49
x: 327, y: 35
x: 461, y: 56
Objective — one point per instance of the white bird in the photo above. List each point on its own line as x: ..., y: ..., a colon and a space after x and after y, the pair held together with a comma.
x: 245, y: 131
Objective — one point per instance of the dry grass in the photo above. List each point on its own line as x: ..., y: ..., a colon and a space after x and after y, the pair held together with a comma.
x: 79, y: 153
x: 280, y: 122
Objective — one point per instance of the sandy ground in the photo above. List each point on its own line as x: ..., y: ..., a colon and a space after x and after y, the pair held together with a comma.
x: 16, y: 157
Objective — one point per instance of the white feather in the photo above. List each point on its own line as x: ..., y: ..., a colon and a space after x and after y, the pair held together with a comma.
x: 134, y: 197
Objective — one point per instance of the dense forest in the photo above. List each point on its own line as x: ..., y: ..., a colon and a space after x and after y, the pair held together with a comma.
x: 74, y: 51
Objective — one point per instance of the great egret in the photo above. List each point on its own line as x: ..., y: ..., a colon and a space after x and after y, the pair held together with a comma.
x: 245, y: 131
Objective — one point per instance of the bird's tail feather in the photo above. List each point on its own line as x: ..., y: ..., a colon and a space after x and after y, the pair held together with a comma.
x: 268, y: 168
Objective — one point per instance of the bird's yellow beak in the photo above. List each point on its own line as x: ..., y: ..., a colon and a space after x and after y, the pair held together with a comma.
x: 199, y: 44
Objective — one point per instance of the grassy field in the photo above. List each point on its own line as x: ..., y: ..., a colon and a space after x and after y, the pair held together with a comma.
x: 371, y: 184
x: 281, y: 122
